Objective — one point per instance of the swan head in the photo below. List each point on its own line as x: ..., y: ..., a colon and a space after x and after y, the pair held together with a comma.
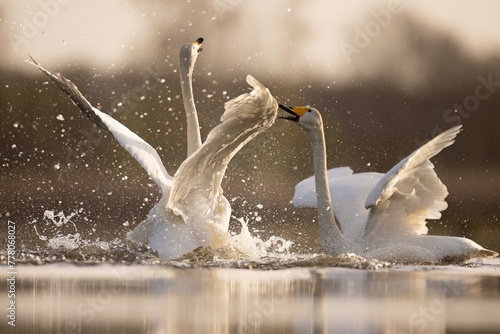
x: 188, y: 54
x: 308, y: 118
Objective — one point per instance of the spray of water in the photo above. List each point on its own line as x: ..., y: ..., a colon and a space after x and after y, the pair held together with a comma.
x: 52, y: 231
x: 60, y: 232
x: 242, y: 250
x: 244, y: 245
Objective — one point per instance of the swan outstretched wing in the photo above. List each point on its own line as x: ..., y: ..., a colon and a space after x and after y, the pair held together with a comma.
x: 348, y: 193
x: 410, y: 192
x: 200, y: 176
x: 144, y: 153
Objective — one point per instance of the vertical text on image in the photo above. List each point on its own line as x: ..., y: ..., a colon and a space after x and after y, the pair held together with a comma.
x: 11, y: 280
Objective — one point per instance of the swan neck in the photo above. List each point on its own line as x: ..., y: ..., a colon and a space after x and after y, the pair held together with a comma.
x: 193, y: 126
x: 331, y: 236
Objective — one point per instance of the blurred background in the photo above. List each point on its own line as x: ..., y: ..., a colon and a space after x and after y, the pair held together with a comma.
x: 387, y: 76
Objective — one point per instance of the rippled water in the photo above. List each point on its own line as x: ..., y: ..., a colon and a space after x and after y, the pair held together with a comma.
x: 77, y: 285
x: 74, y: 292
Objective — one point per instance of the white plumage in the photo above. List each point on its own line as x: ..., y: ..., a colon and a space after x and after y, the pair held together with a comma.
x: 192, y: 211
x: 348, y: 192
x: 381, y: 216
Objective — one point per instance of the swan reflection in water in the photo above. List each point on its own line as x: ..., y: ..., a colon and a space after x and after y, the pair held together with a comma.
x: 164, y: 299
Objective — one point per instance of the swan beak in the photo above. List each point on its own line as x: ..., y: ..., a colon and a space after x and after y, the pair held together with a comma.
x: 296, y: 112
x: 198, y: 43
x: 294, y: 116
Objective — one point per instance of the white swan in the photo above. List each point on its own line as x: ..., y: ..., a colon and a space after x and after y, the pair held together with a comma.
x: 382, y: 216
x: 192, y: 211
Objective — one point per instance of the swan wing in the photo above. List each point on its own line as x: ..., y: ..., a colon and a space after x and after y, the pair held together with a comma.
x: 144, y: 153
x: 197, y: 183
x: 348, y: 192
x: 411, y: 191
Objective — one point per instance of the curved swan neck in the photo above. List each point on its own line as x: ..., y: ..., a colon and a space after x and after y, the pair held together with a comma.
x: 332, y: 238
x: 193, y: 126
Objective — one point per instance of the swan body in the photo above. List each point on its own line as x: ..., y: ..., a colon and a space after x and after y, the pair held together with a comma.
x: 192, y: 211
x: 381, y: 216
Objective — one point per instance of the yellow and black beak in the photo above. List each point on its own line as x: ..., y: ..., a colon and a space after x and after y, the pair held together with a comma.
x: 295, y: 112
x: 198, y: 43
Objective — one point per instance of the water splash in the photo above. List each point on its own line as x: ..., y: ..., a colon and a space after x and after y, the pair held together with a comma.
x: 60, y: 218
x: 240, y: 250
x: 70, y: 241
x: 247, y: 246
x: 55, y: 238
x: 59, y: 230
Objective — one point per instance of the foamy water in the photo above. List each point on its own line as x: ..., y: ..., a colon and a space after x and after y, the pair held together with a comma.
x: 52, y: 224
x: 60, y: 233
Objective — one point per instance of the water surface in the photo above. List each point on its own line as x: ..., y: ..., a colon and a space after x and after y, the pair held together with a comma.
x: 316, y: 294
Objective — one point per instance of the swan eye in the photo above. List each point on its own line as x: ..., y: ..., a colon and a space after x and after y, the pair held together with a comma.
x: 309, y: 110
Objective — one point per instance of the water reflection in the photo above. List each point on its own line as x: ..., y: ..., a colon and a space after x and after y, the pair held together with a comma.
x: 64, y: 298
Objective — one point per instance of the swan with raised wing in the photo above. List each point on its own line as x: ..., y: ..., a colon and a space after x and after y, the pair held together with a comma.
x: 192, y: 211
x: 381, y: 216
